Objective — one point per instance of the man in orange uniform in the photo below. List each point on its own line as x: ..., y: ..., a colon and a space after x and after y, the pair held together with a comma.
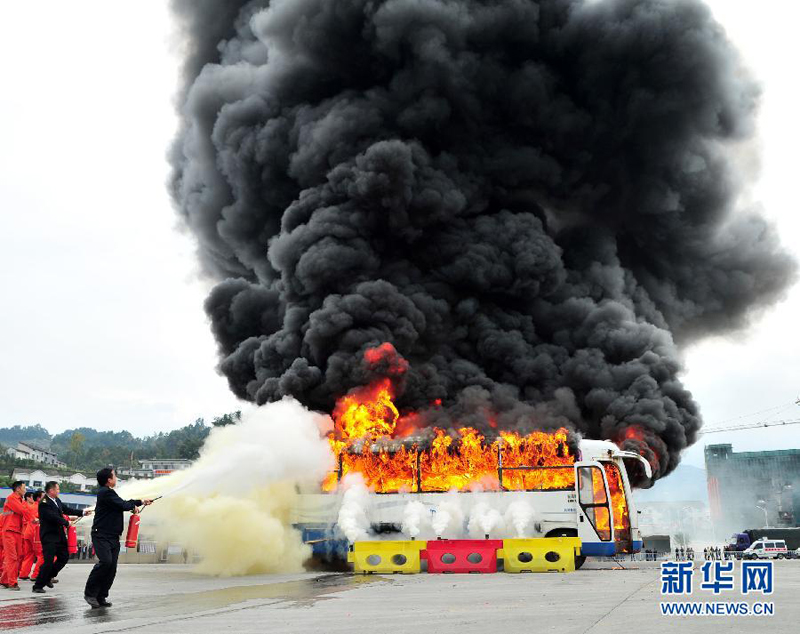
x: 31, y: 527
x: 2, y: 532
x: 26, y: 520
x: 14, y: 510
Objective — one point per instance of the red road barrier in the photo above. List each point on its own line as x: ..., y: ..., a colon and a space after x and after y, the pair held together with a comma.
x: 462, y: 555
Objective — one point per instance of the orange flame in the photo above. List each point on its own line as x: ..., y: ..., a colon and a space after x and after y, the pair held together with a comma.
x: 633, y: 432
x: 619, y: 505
x: 367, y: 412
x: 538, y: 460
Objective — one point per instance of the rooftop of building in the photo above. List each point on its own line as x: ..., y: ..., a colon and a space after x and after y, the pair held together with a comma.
x: 164, y: 460
x: 49, y: 469
x: 727, y: 450
x: 34, y: 447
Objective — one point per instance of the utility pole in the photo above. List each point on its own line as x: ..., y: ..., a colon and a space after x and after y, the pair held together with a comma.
x: 764, y: 508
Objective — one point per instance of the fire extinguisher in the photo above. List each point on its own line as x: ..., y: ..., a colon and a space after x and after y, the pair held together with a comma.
x: 37, y: 540
x: 72, y: 538
x: 132, y: 537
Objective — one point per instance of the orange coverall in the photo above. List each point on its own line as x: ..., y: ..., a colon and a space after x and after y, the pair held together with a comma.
x: 2, y: 532
x: 28, y: 548
x: 14, y: 510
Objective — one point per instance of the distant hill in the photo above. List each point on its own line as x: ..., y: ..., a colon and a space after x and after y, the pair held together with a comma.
x: 38, y: 435
x: 85, y: 448
x: 684, y: 484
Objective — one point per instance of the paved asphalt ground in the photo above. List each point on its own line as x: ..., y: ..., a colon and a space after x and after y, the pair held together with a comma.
x: 171, y: 599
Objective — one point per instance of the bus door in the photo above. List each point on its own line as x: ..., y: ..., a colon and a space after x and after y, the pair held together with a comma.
x: 620, y: 506
x: 595, y: 527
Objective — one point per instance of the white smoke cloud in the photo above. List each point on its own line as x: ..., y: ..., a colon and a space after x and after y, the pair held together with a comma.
x: 448, y: 520
x: 518, y: 515
x: 414, y: 516
x: 232, y: 506
x: 353, y: 520
x: 483, y: 519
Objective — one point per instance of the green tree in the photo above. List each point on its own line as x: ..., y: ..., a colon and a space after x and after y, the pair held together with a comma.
x: 86, y: 449
x: 76, y: 447
x: 227, y: 419
x: 189, y: 448
x: 31, y: 433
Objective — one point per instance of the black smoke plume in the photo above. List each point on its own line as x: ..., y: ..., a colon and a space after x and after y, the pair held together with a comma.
x: 531, y: 203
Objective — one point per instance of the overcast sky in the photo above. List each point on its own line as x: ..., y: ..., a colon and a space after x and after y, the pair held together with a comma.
x: 101, y: 322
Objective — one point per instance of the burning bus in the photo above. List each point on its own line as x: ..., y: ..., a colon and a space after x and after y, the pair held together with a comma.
x: 574, y: 487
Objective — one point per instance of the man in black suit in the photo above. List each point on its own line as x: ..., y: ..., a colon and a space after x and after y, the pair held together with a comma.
x: 52, y: 533
x: 106, y: 531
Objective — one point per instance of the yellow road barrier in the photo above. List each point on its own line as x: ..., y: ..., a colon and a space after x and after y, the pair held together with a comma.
x: 386, y: 557
x: 542, y: 554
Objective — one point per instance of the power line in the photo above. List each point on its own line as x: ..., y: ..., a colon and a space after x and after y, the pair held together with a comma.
x: 781, y: 407
x: 776, y: 423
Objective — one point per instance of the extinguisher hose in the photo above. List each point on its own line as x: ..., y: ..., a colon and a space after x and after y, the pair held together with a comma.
x: 139, y: 513
x: 141, y: 510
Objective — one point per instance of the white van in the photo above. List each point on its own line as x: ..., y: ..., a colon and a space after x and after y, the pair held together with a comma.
x: 766, y: 548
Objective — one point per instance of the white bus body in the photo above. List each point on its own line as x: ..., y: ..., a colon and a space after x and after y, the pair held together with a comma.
x: 573, y: 512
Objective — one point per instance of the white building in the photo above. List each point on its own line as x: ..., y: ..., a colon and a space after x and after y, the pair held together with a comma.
x: 24, y: 451
x: 36, y: 478
x: 136, y: 474
x: 155, y: 467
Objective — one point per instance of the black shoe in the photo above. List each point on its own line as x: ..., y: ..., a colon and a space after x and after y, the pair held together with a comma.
x: 49, y: 584
x: 105, y: 604
x: 53, y: 580
x: 14, y: 587
x: 38, y: 590
x: 91, y: 601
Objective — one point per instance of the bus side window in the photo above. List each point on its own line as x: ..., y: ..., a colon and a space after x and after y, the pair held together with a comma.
x: 585, y: 495
x: 591, y: 489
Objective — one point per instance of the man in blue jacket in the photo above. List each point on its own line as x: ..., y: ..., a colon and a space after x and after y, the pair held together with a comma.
x: 106, y: 531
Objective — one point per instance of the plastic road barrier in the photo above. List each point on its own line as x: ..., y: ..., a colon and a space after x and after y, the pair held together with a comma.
x: 386, y: 557
x: 542, y: 554
x: 462, y: 555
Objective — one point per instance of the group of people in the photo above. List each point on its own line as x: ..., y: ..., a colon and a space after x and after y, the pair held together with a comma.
x: 27, y: 560
x: 715, y: 553
x: 33, y: 536
x: 710, y: 553
x: 32, y: 527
